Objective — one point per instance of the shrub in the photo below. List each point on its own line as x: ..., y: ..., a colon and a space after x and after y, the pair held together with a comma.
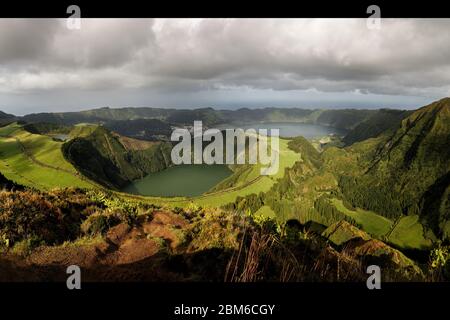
x: 217, y: 229
x: 440, y: 263
x: 29, y: 215
x: 25, y: 246
x: 99, y: 223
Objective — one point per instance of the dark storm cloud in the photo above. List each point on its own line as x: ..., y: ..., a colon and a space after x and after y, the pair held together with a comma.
x: 26, y: 39
x: 176, y: 57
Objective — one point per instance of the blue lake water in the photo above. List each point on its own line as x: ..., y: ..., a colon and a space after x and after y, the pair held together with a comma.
x: 309, y: 131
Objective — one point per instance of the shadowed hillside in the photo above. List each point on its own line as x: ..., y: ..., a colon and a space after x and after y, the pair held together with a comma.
x: 105, y: 158
x: 381, y: 121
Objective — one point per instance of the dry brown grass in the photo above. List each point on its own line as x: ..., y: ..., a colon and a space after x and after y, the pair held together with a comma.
x: 135, y: 144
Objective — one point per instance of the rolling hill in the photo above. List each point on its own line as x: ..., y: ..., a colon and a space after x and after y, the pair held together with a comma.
x: 36, y: 161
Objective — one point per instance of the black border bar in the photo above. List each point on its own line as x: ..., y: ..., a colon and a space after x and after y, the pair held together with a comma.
x: 223, y: 9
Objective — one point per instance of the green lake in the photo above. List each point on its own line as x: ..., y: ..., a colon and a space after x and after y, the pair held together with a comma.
x: 180, y: 180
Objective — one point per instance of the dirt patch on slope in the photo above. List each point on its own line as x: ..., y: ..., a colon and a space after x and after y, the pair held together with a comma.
x: 140, y: 247
x: 135, y: 144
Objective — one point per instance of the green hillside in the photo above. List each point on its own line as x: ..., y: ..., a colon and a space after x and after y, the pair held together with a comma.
x: 409, y: 233
x: 100, y: 155
x: 47, y: 128
x: 395, y: 186
x: 344, y: 118
x: 371, y: 222
x: 410, y: 170
x: 381, y: 121
x: 36, y: 160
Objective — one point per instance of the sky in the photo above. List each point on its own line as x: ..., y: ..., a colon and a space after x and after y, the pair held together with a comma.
x: 222, y: 63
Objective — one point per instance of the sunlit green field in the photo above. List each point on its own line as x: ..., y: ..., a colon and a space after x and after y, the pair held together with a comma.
x: 266, y: 211
x: 9, y: 129
x: 409, y: 233
x: 82, y: 130
x: 371, y: 222
x: 48, y: 170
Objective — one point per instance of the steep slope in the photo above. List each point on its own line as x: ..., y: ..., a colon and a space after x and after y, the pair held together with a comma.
x: 113, y: 239
x: 102, y: 156
x: 410, y: 173
x: 344, y: 118
x: 382, y: 120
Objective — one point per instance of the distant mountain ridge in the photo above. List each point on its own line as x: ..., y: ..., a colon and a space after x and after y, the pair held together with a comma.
x: 6, y: 118
x: 4, y: 115
x: 346, y: 119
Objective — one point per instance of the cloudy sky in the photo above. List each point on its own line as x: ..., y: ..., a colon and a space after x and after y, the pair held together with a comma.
x: 222, y: 63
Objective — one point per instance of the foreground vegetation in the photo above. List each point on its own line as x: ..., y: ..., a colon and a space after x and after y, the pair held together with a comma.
x: 42, y: 232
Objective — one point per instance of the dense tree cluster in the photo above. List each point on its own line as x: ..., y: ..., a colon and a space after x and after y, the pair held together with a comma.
x: 359, y: 193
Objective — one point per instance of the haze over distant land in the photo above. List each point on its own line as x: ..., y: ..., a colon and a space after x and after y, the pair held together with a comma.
x: 222, y: 63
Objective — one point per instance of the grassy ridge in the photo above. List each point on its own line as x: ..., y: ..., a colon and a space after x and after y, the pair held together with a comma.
x: 36, y: 161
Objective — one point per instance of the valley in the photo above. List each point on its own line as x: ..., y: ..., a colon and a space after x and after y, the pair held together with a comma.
x: 378, y: 176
